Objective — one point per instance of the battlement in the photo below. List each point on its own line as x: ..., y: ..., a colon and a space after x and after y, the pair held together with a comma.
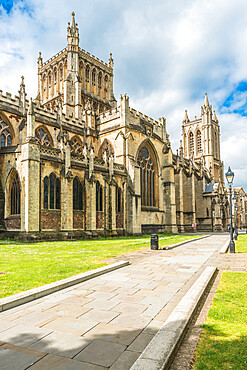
x: 140, y: 115
x: 54, y: 57
x: 109, y: 115
x: 93, y: 58
x: 13, y: 101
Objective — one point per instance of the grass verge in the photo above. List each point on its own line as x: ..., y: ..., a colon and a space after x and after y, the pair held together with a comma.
x: 241, y: 243
x: 25, y: 266
x: 223, y: 343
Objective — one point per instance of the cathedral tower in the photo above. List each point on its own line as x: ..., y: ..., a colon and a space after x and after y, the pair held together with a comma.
x: 201, y: 140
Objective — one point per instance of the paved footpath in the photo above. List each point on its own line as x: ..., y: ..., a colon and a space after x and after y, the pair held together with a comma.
x: 105, y: 322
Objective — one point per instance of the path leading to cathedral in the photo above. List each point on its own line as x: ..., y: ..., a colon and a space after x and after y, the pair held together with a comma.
x: 105, y: 322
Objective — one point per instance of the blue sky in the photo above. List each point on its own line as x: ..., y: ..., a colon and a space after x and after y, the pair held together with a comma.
x: 167, y: 54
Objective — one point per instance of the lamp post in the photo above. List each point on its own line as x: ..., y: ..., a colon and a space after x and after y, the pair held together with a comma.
x: 234, y: 198
x: 229, y: 178
x: 236, y: 222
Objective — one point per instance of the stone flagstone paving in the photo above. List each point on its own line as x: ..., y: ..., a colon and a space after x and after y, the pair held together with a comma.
x: 105, y: 322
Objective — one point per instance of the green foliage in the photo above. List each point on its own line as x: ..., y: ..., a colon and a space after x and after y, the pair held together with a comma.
x: 223, y: 344
x: 25, y: 266
x: 241, y: 244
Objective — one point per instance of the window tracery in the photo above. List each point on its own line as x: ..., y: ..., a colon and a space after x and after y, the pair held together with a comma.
x: 5, y: 134
x: 77, y: 195
x: 199, y: 141
x: 15, y: 196
x: 43, y: 137
x: 99, y: 197
x: 106, y: 147
x: 52, y: 192
x: 191, y: 142
x: 76, y: 146
x: 148, y: 176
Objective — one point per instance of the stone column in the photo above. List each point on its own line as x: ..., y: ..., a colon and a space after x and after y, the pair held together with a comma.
x: 67, y: 193
x: 31, y: 177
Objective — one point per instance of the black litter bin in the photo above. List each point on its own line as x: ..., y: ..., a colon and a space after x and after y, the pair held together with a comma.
x: 154, y: 241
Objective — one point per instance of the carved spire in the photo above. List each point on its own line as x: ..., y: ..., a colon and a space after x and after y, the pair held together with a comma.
x: 186, y: 118
x: 111, y: 61
x: 22, y: 96
x: 215, y: 117
x: 206, y: 102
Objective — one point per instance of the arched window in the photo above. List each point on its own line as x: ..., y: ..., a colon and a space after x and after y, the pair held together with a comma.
x: 94, y: 76
x: 43, y: 137
x: 100, y: 80
x: 76, y: 145
x: 199, y: 142
x: 61, y: 72
x: 77, y: 195
x: 216, y: 145
x: 99, y: 197
x: 52, y: 192
x: 16, y: 196
x: 118, y: 199
x: 107, y: 147
x: 87, y: 73
x: 191, y: 142
x: 106, y: 87
x: 5, y: 134
x: 148, y: 167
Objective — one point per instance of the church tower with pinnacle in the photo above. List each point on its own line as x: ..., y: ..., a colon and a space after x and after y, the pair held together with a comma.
x: 201, y: 140
x: 82, y: 82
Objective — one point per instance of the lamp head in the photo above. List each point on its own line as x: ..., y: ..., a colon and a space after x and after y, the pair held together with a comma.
x: 229, y: 176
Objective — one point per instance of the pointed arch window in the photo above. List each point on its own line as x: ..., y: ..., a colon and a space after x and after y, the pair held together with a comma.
x: 106, y: 147
x: 100, y: 80
x: 199, y: 142
x: 99, y: 197
x: 191, y: 142
x: 43, y: 137
x: 16, y: 196
x: 118, y: 199
x: 51, y: 192
x: 94, y: 76
x: 148, y: 176
x: 5, y: 134
x: 78, y: 195
x: 76, y: 146
x: 87, y: 73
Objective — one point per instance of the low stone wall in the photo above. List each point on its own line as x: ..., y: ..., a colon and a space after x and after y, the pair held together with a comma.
x: 50, y: 219
x: 78, y: 220
x: 13, y: 222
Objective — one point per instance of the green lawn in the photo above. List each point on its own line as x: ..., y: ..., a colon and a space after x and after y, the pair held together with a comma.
x: 223, y: 344
x: 241, y: 243
x: 25, y: 266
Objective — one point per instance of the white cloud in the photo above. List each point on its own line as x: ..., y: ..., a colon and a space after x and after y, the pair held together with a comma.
x: 167, y: 55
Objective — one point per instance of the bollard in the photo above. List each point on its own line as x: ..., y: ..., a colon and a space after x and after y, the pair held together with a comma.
x: 154, y: 241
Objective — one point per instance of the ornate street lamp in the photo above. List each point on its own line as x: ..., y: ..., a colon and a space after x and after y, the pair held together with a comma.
x: 236, y: 222
x: 230, y: 177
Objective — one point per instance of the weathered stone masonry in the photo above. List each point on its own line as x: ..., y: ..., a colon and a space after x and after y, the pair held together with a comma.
x: 75, y: 162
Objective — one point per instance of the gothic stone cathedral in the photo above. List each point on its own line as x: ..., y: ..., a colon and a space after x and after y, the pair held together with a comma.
x: 73, y: 162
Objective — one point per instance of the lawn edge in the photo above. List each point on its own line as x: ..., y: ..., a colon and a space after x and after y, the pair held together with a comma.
x: 184, y: 242
x: 32, y: 294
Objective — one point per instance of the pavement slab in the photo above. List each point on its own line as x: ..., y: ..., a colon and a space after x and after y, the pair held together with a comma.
x: 106, y: 322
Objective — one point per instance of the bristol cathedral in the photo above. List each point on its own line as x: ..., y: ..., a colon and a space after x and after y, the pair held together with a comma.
x: 75, y: 162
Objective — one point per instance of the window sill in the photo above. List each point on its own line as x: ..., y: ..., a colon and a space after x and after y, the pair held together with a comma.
x: 149, y: 209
